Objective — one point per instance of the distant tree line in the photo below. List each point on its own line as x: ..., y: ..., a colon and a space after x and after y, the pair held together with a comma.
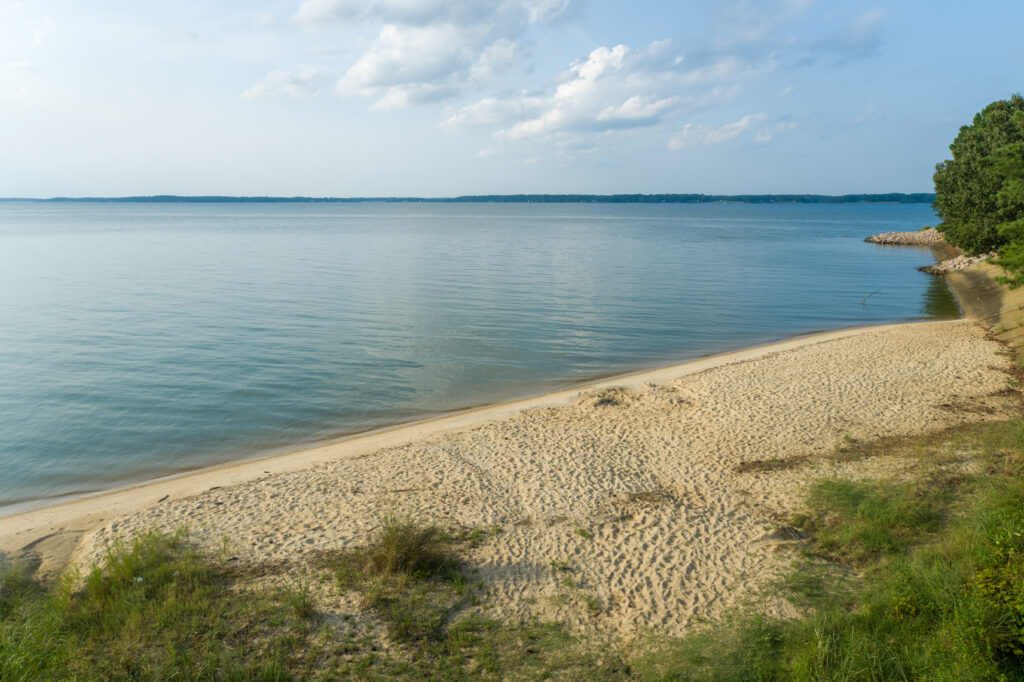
x: 894, y: 197
x: 979, y: 193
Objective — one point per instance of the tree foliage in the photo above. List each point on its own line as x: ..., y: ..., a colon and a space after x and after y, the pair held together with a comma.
x: 1008, y: 164
x: 969, y: 188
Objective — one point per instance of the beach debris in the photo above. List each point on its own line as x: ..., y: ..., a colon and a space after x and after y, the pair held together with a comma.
x: 958, y: 263
x: 918, y: 238
x: 612, y: 397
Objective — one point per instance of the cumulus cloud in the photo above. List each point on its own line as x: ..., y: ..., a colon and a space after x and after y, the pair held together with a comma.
x: 611, y: 89
x: 500, y: 55
x: 281, y: 83
x: 429, y: 50
x: 409, y: 65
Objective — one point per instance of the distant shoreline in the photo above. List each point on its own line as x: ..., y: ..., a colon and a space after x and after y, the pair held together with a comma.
x: 891, y: 198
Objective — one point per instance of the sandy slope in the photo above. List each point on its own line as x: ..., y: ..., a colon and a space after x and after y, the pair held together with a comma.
x: 649, y: 471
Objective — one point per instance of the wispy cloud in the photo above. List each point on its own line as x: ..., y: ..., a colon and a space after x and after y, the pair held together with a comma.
x: 860, y: 38
x: 281, y: 83
x: 315, y: 14
x: 759, y: 126
x: 693, y: 135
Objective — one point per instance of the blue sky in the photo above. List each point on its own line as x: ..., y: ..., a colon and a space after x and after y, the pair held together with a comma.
x: 433, y: 98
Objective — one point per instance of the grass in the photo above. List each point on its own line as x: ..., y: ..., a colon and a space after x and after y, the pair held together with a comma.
x: 856, y: 523
x: 410, y: 577
x: 156, y: 610
x: 937, y: 592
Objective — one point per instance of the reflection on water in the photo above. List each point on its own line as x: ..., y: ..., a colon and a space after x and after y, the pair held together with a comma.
x: 141, y: 339
x: 939, y: 301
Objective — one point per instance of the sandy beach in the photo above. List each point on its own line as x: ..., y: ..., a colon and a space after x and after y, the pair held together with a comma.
x: 657, y: 489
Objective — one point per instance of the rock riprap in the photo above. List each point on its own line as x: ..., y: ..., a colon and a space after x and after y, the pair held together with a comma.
x: 919, y: 238
x: 959, y: 263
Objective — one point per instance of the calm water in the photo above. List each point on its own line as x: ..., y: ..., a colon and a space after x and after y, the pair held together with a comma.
x: 140, y: 339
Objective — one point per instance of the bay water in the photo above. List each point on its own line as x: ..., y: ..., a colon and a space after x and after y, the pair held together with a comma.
x: 143, y: 339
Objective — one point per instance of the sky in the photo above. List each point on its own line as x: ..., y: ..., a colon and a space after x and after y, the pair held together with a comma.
x: 444, y: 98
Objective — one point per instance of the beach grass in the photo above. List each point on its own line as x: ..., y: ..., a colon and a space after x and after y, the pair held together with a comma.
x: 155, y: 610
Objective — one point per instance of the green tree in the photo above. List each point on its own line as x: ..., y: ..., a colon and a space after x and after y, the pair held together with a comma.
x: 967, y: 187
x: 1008, y: 166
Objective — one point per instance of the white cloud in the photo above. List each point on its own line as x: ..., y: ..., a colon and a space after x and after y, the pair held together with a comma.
x: 545, y: 10
x: 613, y: 88
x: 429, y: 50
x: 281, y: 83
x: 494, y: 112
x: 637, y: 107
x: 409, y: 65
x: 496, y: 58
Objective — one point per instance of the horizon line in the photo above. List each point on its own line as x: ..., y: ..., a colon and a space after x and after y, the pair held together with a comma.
x: 866, y: 197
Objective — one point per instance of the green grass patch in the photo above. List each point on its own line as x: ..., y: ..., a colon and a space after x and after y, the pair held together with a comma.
x: 937, y: 594
x: 857, y: 523
x: 155, y: 610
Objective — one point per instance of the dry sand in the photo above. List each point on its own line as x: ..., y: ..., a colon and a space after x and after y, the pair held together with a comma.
x: 648, y: 466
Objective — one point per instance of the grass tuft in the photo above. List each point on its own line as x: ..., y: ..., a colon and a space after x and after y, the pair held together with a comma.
x: 405, y: 547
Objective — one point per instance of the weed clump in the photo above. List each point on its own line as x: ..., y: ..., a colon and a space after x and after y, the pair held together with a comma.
x: 404, y: 547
